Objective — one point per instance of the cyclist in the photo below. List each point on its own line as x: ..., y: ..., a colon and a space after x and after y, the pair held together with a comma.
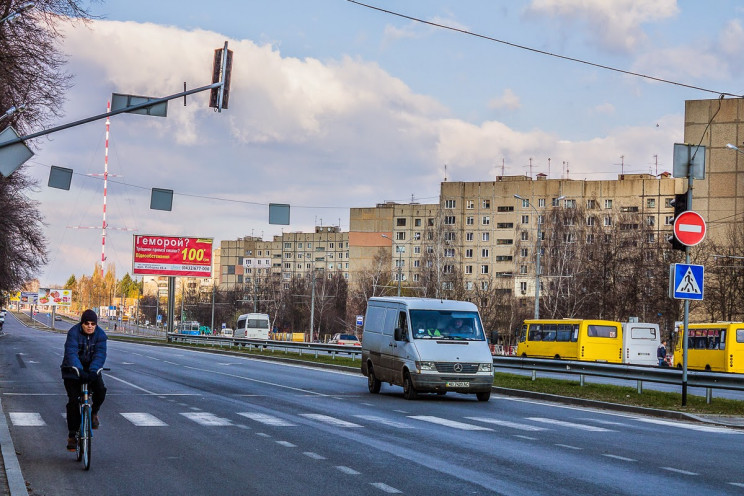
x: 85, y: 350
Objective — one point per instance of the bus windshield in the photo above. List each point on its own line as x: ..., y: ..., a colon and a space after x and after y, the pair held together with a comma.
x: 446, y: 324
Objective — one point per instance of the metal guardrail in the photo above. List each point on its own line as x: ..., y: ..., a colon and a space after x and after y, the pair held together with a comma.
x: 638, y: 373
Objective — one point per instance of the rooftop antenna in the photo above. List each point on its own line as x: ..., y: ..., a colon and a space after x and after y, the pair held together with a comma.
x: 445, y: 173
x: 503, y: 166
x: 656, y: 162
x: 548, y: 167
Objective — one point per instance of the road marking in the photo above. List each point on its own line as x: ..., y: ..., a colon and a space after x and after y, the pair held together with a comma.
x: 604, y: 422
x: 286, y: 444
x: 347, y: 470
x: 525, y: 437
x: 582, y: 427
x: 506, y: 423
x: 25, y: 419
x: 143, y: 419
x: 450, y: 423
x: 267, y: 419
x: 694, y: 427
x: 385, y: 488
x: 314, y: 456
x: 678, y: 471
x: 205, y: 418
x: 384, y: 421
x: 737, y: 484
x: 569, y: 446
x: 618, y: 457
x: 329, y: 420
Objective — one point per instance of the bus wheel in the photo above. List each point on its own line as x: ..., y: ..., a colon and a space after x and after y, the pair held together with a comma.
x: 557, y: 357
x: 679, y: 366
x: 524, y: 355
x: 707, y: 367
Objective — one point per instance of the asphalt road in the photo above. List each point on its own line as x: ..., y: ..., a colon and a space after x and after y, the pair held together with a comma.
x: 187, y: 422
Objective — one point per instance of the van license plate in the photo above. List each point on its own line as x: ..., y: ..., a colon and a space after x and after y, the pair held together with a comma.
x: 458, y: 384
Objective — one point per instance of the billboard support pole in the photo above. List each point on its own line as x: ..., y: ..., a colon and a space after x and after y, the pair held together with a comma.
x: 171, y: 302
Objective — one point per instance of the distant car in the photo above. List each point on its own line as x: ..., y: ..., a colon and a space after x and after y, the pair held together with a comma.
x: 345, y: 340
x: 57, y: 317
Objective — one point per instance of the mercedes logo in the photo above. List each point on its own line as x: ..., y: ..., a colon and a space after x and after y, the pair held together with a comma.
x: 458, y: 367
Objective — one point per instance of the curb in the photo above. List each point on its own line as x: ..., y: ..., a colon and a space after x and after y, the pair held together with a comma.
x: 13, y: 475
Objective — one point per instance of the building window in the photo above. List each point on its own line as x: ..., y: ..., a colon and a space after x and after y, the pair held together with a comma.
x: 590, y: 220
x: 650, y: 202
x: 503, y: 258
x: 651, y: 238
x: 449, y: 252
x: 288, y: 255
x: 449, y: 203
x: 417, y: 222
x: 429, y: 250
x: 569, y: 203
x: 484, y: 253
x: 400, y: 236
x: 590, y: 239
x: 608, y: 204
x: 415, y: 277
x: 668, y: 202
x: 607, y: 220
x: 506, y: 208
x: 417, y: 263
x: 486, y: 220
x: 484, y: 285
x: 590, y: 204
x: 449, y: 220
x: 522, y: 269
x: 569, y: 238
x: 449, y: 236
x: 400, y: 222
x: 468, y: 269
x: 651, y: 220
x: 669, y: 220
x: 287, y: 265
x: 523, y: 287
x: 486, y: 204
x: 416, y: 250
x: 470, y: 204
x: 505, y: 225
x: 525, y: 236
x: 417, y: 236
x: 525, y: 203
x: 541, y: 202
x: 524, y: 252
x: 484, y: 269
x: 555, y: 202
x: 525, y: 219
x: 469, y: 253
x: 504, y: 241
x: 485, y: 236
x: 469, y: 285
x: 470, y: 220
x: 469, y: 236
x: 448, y: 269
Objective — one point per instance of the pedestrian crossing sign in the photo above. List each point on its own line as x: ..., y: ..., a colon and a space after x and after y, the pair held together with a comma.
x: 686, y: 281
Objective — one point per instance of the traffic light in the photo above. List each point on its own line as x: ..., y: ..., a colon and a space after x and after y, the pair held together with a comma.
x: 680, y: 205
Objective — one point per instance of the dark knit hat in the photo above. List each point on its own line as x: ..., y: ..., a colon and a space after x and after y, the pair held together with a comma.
x: 89, y: 316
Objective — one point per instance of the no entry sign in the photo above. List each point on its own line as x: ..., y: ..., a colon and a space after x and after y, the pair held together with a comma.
x: 689, y: 228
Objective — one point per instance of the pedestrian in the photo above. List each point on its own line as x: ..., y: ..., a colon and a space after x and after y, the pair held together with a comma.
x: 661, y: 354
x: 84, y: 356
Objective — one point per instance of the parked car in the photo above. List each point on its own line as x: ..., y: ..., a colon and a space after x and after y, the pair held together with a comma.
x: 345, y: 339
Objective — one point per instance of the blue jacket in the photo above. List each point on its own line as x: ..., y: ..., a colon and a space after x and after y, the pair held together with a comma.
x: 86, y: 352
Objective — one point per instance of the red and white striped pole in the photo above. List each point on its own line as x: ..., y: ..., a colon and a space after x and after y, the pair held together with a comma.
x: 105, y: 187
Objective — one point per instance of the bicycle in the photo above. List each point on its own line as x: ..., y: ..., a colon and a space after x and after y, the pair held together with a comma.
x: 84, y: 444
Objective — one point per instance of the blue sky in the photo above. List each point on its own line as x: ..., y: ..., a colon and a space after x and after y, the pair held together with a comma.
x: 335, y: 105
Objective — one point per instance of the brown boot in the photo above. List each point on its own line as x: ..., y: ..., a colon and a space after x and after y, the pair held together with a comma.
x: 71, y: 443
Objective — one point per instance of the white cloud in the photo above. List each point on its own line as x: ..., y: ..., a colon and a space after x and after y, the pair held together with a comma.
x: 508, y: 101
x: 616, y: 25
x: 321, y: 135
x: 604, y: 109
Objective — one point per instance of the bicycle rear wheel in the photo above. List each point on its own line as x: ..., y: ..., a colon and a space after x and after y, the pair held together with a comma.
x: 85, y: 438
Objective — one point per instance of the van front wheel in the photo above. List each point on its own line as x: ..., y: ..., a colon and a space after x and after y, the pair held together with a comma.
x: 409, y: 392
x: 373, y: 383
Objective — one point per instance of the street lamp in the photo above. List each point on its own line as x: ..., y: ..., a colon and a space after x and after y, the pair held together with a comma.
x: 734, y: 147
x: 12, y: 110
x: 400, y: 249
x: 537, y: 255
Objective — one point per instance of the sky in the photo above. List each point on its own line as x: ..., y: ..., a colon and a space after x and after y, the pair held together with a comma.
x: 334, y: 105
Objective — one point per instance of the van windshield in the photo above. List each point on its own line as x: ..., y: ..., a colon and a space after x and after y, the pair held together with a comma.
x: 446, y: 324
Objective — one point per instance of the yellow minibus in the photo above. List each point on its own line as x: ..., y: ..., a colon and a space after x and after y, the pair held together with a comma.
x: 572, y: 339
x: 716, y: 347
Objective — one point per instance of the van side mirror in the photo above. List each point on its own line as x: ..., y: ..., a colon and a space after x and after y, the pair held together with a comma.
x: 400, y: 335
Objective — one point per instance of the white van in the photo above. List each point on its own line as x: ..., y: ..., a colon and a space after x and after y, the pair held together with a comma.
x: 427, y: 346
x: 640, y: 342
x: 253, y: 326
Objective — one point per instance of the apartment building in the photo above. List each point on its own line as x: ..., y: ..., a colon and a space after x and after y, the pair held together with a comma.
x: 482, y: 231
x: 246, y: 262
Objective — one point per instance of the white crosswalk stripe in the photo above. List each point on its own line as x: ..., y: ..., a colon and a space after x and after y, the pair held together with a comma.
x: 205, y: 418
x: 329, y: 420
x: 143, y: 419
x: 26, y: 419
x: 583, y: 427
x: 450, y: 423
x: 384, y: 421
x: 694, y: 427
x: 267, y: 419
x: 506, y: 423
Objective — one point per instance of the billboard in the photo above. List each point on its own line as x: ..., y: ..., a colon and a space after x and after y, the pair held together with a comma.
x: 57, y: 297
x: 29, y: 298
x: 172, y: 256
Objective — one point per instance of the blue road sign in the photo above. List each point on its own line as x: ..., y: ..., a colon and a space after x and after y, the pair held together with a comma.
x: 687, y: 282
x: 360, y: 320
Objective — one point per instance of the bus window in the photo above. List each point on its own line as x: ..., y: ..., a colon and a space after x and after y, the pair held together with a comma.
x: 549, y: 331
x: 564, y: 333
x: 643, y: 333
x: 601, y: 331
x: 739, y: 336
x: 535, y: 332
x: 523, y: 333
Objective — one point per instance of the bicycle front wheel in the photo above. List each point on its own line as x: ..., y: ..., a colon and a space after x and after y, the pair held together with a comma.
x: 86, y: 437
